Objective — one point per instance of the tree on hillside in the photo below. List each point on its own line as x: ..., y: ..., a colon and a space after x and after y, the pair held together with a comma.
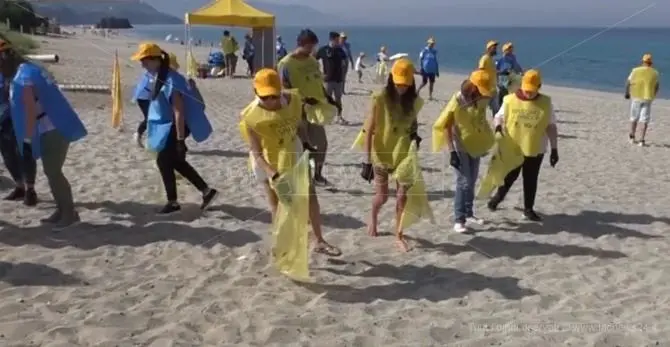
x: 18, y: 13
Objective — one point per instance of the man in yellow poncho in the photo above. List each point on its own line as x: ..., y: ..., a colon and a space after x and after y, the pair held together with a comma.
x: 642, y: 86
x: 229, y: 46
x: 272, y: 124
x: 528, y: 118
x: 389, y: 132
x: 463, y: 127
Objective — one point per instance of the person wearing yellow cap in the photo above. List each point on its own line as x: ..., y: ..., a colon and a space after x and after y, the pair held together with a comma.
x: 346, y: 46
x: 429, y: 67
x: 487, y: 63
x: 174, y: 114
x: 463, y: 127
x: 507, y: 67
x: 389, y: 131
x: 527, y: 117
x: 642, y: 87
x: 273, y: 126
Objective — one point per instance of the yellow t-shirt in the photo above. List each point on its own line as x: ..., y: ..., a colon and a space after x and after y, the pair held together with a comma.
x: 229, y: 45
x: 486, y: 62
x: 391, y: 141
x: 303, y: 75
x: 472, y: 131
x: 643, y: 81
x: 276, y: 130
x: 526, y: 122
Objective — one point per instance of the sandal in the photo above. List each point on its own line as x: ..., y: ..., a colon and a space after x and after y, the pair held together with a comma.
x: 324, y: 248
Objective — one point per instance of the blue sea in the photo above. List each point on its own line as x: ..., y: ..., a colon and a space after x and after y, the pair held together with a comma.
x: 592, y: 58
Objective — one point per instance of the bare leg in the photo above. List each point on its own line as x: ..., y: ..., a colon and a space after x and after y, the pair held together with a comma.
x: 633, y: 129
x: 431, y: 85
x: 381, y: 197
x: 315, y: 218
x: 273, y: 201
x: 644, y: 132
x: 401, y: 201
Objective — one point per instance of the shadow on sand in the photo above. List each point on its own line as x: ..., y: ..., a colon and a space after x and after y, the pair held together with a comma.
x: 31, y: 274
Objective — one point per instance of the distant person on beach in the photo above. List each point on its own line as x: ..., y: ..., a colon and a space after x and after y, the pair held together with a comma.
x: 280, y: 48
x: 248, y: 54
x: 334, y: 60
x: 429, y: 67
x: 229, y: 46
x: 349, y: 62
x: 390, y: 130
x: 276, y: 132
x: 487, y: 63
x: 45, y: 124
x: 19, y: 160
x: 530, y: 133
x: 174, y: 114
x: 382, y: 65
x: 464, y: 129
x: 642, y: 87
x: 360, y: 66
x: 506, y: 67
x: 300, y: 70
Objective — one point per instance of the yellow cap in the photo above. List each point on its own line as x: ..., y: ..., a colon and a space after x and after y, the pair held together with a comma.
x: 402, y: 72
x: 267, y: 83
x: 531, y: 81
x: 647, y: 58
x: 507, y: 47
x: 491, y: 44
x: 482, y: 80
x: 174, y: 64
x: 4, y: 45
x: 146, y: 50
x: 430, y: 40
x: 343, y: 34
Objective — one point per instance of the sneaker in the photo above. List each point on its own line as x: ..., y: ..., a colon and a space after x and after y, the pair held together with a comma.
x: 642, y: 143
x: 53, y: 218
x: 30, y: 198
x: 531, y: 216
x: 208, y: 198
x: 321, y: 181
x: 631, y: 139
x: 475, y: 220
x: 460, y: 227
x: 16, y: 194
x: 138, y: 140
x: 170, y: 207
x: 492, y: 205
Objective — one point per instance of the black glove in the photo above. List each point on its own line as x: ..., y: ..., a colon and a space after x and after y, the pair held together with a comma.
x: 310, y: 101
x: 307, y: 147
x: 415, y: 137
x: 181, y: 149
x: 499, y: 129
x: 367, y: 172
x: 626, y: 96
x: 454, y: 160
x: 553, y: 157
x: 274, y: 177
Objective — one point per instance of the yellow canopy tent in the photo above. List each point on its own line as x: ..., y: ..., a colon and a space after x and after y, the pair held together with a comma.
x: 237, y: 13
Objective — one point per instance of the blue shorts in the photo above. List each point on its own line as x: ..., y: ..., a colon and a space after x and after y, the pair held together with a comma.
x: 427, y: 77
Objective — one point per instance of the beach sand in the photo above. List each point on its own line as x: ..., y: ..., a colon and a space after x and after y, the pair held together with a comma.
x: 595, y: 273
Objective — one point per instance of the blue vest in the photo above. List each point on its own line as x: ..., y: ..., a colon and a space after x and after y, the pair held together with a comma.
x: 55, y: 106
x: 143, y: 88
x: 161, y: 113
x: 429, y: 60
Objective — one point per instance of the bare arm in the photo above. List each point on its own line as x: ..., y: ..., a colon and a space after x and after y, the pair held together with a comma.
x: 257, y: 153
x: 369, y: 131
x: 552, y: 130
x: 30, y: 106
x: 178, y: 107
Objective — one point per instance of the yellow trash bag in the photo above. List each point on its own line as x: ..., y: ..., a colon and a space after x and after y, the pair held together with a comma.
x: 506, y: 157
x: 290, y: 250
x: 408, y: 173
x: 322, y: 113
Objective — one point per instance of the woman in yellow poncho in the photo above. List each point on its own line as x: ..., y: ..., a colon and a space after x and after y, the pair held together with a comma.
x: 389, y: 132
x: 273, y: 124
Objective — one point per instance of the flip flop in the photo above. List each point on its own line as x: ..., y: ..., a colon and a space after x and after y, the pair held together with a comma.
x: 324, y: 248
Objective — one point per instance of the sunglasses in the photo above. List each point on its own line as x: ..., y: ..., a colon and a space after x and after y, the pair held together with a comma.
x: 269, y: 98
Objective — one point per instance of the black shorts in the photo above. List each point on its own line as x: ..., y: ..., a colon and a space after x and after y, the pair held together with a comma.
x: 428, y: 77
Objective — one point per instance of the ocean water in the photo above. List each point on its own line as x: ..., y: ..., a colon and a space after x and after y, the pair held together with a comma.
x: 592, y: 58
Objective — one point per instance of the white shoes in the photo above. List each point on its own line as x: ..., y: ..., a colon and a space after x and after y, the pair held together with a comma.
x: 461, y: 228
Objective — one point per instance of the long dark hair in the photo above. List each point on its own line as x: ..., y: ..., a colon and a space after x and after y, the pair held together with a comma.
x: 10, y: 60
x: 163, y: 70
x: 406, y: 100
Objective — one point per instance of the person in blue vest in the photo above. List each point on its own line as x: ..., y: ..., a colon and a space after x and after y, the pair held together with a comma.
x: 429, y: 67
x: 43, y: 120
x: 280, y: 48
x: 22, y: 168
x: 175, y: 113
x: 506, y: 66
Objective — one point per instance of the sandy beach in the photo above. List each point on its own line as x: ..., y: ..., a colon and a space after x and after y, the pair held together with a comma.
x: 595, y: 273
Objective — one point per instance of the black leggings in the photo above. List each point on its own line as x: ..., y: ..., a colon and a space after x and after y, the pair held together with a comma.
x: 144, y: 107
x: 22, y: 168
x: 250, y: 64
x: 168, y: 162
x: 530, y: 169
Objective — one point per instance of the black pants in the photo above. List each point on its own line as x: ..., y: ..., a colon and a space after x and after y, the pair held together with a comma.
x: 168, y: 162
x: 530, y: 169
x: 250, y: 64
x: 144, y: 107
x: 22, y: 168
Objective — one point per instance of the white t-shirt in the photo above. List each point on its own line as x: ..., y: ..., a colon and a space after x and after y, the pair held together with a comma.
x: 499, y: 119
x: 359, y: 64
